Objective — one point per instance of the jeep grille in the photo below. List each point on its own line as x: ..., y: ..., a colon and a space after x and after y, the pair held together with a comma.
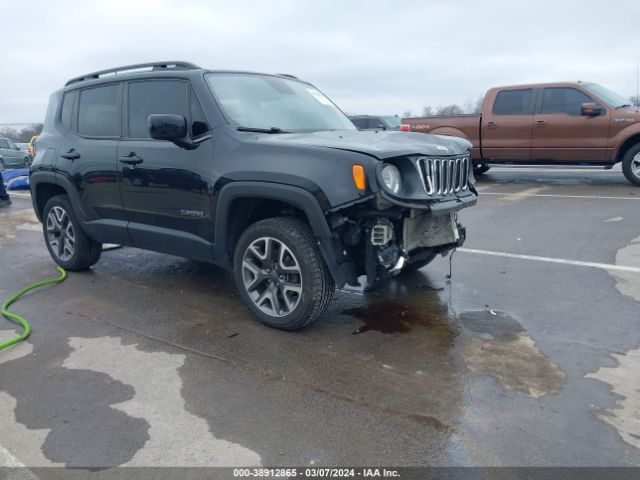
x: 443, y: 176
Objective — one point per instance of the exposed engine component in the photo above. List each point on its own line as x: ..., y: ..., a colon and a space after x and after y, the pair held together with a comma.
x: 382, y: 232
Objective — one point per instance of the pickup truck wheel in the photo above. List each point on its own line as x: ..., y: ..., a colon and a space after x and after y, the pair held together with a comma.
x: 281, y: 274
x: 480, y: 168
x: 631, y: 165
x: 68, y: 245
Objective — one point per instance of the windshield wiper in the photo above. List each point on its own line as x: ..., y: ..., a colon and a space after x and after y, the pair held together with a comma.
x: 623, y: 106
x: 261, y: 130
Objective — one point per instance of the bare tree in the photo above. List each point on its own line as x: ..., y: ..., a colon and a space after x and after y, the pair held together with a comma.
x: 634, y: 100
x: 22, y: 135
x: 407, y: 114
x: 452, y: 109
x: 427, y: 111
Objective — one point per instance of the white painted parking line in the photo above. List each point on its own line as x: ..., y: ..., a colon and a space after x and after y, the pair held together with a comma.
x: 577, y: 263
x: 19, y: 194
x: 593, y: 197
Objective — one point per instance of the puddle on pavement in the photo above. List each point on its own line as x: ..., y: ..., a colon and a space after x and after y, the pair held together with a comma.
x: 391, y: 317
x: 491, y: 342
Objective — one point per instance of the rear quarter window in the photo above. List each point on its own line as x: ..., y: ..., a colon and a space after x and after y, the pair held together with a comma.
x: 66, y: 112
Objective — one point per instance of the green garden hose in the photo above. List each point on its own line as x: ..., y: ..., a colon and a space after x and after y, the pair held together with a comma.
x: 17, y: 318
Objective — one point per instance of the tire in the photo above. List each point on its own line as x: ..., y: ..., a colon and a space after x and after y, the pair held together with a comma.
x: 481, y: 168
x: 631, y: 165
x: 262, y: 279
x: 67, y: 243
x: 418, y: 264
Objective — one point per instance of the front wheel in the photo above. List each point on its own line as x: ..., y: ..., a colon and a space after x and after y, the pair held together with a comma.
x: 281, y: 274
x: 631, y: 165
x: 67, y: 243
x: 480, y: 168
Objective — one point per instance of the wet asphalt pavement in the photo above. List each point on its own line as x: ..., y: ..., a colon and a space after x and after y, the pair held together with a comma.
x: 153, y: 360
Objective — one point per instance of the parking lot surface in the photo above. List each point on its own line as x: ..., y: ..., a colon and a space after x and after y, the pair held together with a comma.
x: 529, y: 355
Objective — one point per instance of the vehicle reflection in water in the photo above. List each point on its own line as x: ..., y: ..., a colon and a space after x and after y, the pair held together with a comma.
x: 175, y: 178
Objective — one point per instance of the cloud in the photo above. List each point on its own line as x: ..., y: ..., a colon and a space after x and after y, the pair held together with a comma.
x: 368, y: 56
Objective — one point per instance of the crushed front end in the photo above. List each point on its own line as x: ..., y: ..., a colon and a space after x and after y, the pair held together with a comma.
x: 409, y: 219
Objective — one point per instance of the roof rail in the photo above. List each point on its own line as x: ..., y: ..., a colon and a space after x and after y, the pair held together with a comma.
x: 153, y: 65
x: 288, y: 75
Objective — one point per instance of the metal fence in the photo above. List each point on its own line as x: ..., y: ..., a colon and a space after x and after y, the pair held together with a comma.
x: 17, y: 144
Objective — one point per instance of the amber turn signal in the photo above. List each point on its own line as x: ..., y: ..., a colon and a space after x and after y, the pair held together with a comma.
x: 358, y: 177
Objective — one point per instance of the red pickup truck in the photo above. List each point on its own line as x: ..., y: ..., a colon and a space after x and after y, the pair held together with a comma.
x: 547, y: 123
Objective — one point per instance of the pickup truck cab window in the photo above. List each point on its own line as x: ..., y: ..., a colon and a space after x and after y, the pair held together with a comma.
x: 270, y: 102
x: 513, y: 102
x: 563, y: 100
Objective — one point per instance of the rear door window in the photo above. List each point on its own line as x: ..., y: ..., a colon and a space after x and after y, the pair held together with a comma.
x: 563, y: 100
x: 513, y: 102
x: 98, y: 112
x: 152, y: 97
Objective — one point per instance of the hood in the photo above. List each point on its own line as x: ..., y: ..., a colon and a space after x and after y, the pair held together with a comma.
x: 378, y: 144
x: 629, y: 113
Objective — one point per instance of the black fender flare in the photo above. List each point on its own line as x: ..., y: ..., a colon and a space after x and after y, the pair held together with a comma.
x: 295, y: 196
x: 37, y: 178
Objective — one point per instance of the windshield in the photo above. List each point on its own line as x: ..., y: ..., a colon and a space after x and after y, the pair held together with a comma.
x: 274, y: 103
x: 610, y: 98
x: 393, y: 121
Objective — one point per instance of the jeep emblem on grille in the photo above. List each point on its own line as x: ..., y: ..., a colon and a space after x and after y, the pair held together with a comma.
x: 442, y: 148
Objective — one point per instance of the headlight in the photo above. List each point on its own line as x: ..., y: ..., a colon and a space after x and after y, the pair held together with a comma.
x: 391, y: 178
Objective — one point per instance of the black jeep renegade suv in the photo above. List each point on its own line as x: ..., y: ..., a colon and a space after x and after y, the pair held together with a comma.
x: 259, y: 173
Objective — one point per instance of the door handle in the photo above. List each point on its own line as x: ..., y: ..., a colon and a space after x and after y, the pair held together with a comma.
x: 540, y: 123
x: 131, y: 159
x: 71, y: 155
x: 492, y: 124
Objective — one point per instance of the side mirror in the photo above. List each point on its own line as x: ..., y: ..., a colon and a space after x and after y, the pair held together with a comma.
x: 590, y: 109
x: 173, y: 128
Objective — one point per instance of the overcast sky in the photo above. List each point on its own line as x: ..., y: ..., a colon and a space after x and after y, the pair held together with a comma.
x: 368, y: 56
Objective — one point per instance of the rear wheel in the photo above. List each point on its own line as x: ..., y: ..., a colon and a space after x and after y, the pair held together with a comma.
x: 631, y: 165
x: 68, y: 245
x: 480, y: 168
x: 281, y: 274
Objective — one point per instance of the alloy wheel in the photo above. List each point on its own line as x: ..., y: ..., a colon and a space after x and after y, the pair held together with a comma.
x: 60, y: 234
x: 272, y: 277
